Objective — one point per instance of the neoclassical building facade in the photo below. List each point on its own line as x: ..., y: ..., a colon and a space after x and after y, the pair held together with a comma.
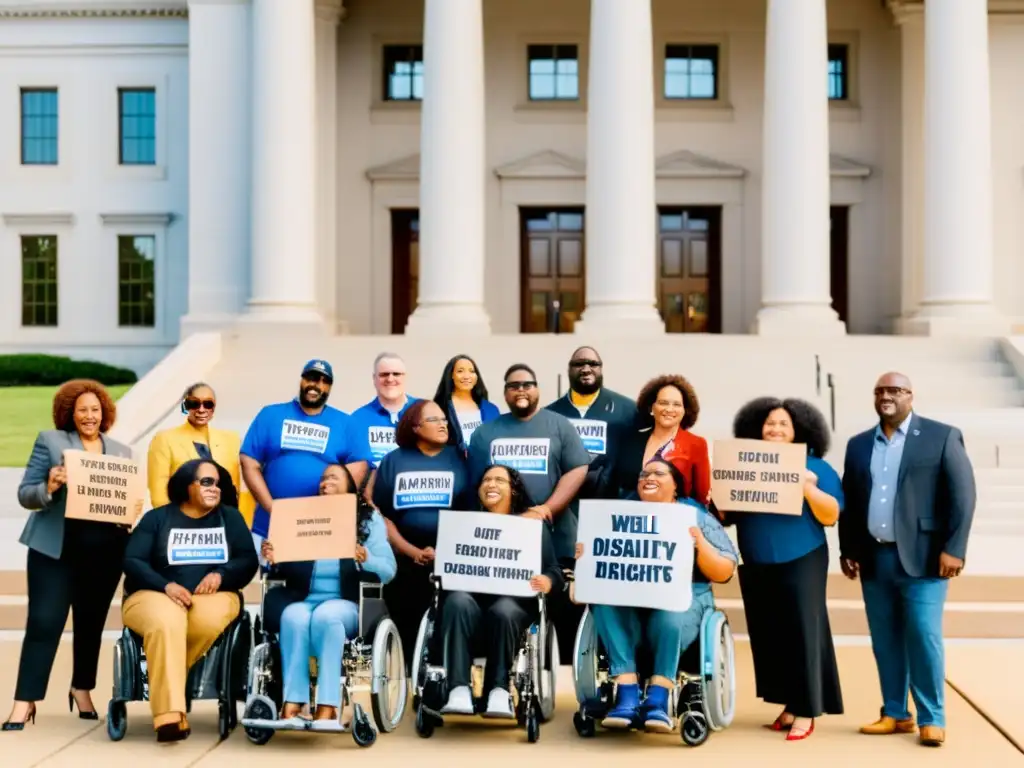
x: 623, y: 167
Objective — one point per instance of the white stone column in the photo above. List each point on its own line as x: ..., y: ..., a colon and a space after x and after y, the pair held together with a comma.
x: 283, y: 162
x: 218, y: 163
x: 328, y: 15
x: 452, y: 172
x: 795, y: 247
x: 621, y: 212
x: 958, y: 282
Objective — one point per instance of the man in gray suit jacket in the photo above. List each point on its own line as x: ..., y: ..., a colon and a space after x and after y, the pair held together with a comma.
x: 910, y: 497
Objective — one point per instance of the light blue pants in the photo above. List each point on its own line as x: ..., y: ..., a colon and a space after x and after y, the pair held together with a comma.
x: 668, y: 634
x: 318, y: 626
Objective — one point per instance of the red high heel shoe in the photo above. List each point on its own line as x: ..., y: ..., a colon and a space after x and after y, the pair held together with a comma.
x: 800, y: 735
x: 779, y: 725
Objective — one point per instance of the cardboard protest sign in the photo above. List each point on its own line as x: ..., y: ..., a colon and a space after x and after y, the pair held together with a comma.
x: 103, y: 489
x: 759, y: 476
x: 636, y: 554
x: 487, y: 553
x: 313, y: 528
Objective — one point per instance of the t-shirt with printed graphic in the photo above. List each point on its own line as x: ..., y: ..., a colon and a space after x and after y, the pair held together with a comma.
x: 411, y: 487
x: 469, y: 422
x: 169, y: 546
x: 376, y: 424
x: 542, y: 449
x: 294, y: 448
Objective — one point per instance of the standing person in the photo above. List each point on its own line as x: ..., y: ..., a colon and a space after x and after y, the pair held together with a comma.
x: 462, y: 395
x: 289, y: 445
x: 377, y: 419
x: 602, y: 417
x: 784, y: 574
x: 72, y: 564
x: 910, y: 495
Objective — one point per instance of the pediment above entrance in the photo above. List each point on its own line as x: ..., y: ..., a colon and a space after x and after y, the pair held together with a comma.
x: 403, y: 169
x: 543, y: 165
x: 685, y: 164
x: 847, y: 168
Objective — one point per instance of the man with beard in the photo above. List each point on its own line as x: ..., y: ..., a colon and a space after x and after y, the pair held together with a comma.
x: 289, y: 445
x: 910, y: 497
x: 377, y: 419
x: 598, y: 414
x: 550, y: 456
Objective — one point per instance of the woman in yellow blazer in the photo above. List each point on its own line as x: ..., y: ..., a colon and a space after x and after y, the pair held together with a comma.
x: 195, y: 439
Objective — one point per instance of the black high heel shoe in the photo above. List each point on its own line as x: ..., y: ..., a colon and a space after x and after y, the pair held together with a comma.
x: 94, y: 715
x: 15, y: 726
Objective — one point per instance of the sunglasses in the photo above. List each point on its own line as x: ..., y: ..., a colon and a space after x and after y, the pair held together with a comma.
x: 390, y: 375
x: 515, y: 386
x: 207, y: 482
x: 585, y: 364
x: 315, y: 378
x: 195, y: 405
x: 434, y: 420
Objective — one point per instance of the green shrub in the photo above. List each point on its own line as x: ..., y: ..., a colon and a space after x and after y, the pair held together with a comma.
x: 51, y: 370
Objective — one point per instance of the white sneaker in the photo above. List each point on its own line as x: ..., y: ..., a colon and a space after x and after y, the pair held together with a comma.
x: 460, y: 702
x: 499, y: 704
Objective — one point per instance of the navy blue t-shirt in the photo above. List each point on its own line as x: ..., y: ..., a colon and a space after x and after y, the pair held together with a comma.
x: 294, y: 448
x: 411, y: 487
x: 376, y: 425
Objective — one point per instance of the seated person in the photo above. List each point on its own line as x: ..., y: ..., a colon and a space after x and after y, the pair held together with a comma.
x: 184, y: 567
x: 317, y: 609
x: 500, y: 620
x: 668, y: 633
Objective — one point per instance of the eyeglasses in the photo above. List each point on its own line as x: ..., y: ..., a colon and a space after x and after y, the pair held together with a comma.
x: 206, y: 482
x: 585, y: 363
x: 516, y: 386
x: 654, y: 472
x: 316, y: 378
x: 434, y: 420
x: 195, y: 405
x: 893, y: 391
x: 390, y: 375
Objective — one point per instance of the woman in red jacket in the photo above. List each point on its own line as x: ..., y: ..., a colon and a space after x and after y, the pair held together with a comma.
x: 667, y: 407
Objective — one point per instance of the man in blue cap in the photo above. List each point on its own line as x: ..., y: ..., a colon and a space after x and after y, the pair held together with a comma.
x: 289, y: 445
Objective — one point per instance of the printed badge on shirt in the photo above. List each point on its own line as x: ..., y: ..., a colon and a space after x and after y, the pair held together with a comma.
x: 424, y: 489
x: 304, y: 436
x: 382, y: 442
x: 197, y: 546
x: 528, y: 455
x: 594, y: 435
x: 469, y: 426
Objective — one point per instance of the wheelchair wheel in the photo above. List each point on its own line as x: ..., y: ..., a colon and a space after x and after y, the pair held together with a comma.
x: 425, y: 723
x: 719, y: 693
x: 117, y: 720
x: 418, y: 660
x: 694, y: 729
x: 224, y: 716
x: 585, y: 726
x: 258, y: 708
x: 548, y: 676
x: 532, y: 724
x: 362, y: 730
x: 389, y: 687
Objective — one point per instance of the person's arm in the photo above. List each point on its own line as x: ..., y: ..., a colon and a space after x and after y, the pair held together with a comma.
x: 358, y: 458
x: 243, y: 561
x: 701, y: 471
x: 575, y: 461
x: 159, y: 470
x: 824, y: 494
x: 33, y: 492
x: 715, y: 554
x: 251, y: 457
x: 568, y: 486
x: 549, y: 564
x: 958, y: 475
x: 380, y: 558
x: 138, y: 555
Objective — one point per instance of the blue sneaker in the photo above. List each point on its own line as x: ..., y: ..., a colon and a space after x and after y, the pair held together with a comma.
x: 656, y: 710
x: 627, y: 705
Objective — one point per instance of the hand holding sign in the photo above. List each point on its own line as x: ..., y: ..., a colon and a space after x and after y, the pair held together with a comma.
x: 58, y: 476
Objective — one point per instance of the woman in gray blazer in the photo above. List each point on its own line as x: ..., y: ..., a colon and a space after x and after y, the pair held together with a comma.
x: 72, y: 564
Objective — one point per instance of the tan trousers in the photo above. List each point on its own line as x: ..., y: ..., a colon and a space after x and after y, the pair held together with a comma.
x: 174, y: 639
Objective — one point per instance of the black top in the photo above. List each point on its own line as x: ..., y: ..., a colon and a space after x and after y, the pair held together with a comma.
x: 169, y: 546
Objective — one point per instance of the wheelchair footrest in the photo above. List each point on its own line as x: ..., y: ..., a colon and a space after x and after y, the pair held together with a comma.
x: 296, y: 724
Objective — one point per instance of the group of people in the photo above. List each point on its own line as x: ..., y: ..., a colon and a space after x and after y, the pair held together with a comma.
x: 904, y: 508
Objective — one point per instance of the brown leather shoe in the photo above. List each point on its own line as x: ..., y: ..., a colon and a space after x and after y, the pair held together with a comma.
x: 885, y: 726
x: 932, y: 736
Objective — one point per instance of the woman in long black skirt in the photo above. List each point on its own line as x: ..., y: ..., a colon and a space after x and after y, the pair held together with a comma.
x: 785, y: 571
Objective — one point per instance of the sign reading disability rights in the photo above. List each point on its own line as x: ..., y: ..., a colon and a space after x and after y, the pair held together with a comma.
x: 635, y: 553
x: 487, y: 553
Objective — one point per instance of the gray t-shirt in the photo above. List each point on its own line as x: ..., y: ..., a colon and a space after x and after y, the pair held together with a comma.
x: 542, y: 450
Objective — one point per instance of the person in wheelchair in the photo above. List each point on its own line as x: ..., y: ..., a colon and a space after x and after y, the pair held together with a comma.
x: 668, y: 633
x: 184, y: 567
x: 317, y: 609
x: 501, y: 620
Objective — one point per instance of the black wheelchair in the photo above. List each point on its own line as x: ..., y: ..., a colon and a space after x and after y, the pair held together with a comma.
x: 704, y: 698
x: 377, y: 664
x: 219, y: 675
x: 533, y: 676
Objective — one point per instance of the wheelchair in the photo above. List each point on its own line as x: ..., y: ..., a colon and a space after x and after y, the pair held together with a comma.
x: 533, y: 676
x: 378, y: 665
x: 219, y: 675
x: 704, y: 698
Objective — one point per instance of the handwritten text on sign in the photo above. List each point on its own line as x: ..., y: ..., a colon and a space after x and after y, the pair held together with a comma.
x: 759, y: 476
x: 636, y: 554
x: 487, y: 553
x: 313, y: 528
x: 104, y: 489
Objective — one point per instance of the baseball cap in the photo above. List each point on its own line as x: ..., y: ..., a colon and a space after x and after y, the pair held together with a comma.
x: 320, y: 366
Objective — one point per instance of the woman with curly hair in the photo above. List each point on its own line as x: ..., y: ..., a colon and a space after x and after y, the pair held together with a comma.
x: 424, y: 474
x: 462, y: 395
x: 72, y: 564
x: 667, y: 407
x: 785, y: 570
x: 317, y: 608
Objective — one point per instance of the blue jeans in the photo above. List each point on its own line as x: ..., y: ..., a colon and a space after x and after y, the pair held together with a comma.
x: 668, y: 633
x: 905, y: 621
x: 318, y: 626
